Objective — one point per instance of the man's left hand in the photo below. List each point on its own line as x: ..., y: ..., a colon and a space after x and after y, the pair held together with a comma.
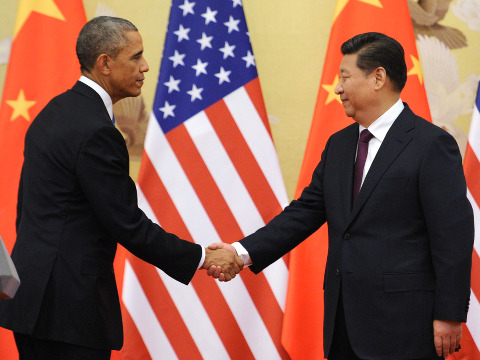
x: 447, y: 335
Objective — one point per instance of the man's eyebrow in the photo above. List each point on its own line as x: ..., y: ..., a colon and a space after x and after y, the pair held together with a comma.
x: 137, y: 54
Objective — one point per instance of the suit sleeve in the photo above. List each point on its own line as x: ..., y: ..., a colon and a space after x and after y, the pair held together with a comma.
x: 449, y: 219
x: 294, y: 224
x: 102, y: 171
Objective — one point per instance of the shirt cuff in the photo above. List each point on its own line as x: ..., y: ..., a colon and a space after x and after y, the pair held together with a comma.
x: 242, y: 254
x: 202, y: 259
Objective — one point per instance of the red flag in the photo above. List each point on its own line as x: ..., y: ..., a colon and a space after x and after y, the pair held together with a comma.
x: 303, y: 322
x: 471, y: 330
x: 42, y: 64
x: 209, y: 173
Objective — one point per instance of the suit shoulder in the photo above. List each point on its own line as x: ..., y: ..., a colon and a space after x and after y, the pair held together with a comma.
x: 429, y: 129
x: 352, y: 128
x: 421, y: 127
x: 82, y: 104
x: 73, y: 109
x: 69, y: 118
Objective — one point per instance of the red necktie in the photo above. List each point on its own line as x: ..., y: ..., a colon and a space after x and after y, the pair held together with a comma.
x: 362, y: 152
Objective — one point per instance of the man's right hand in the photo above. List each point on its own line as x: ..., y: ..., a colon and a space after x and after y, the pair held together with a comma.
x: 222, y: 264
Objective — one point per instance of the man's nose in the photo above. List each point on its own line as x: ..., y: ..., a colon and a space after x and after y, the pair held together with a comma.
x: 338, y: 89
x: 145, y: 67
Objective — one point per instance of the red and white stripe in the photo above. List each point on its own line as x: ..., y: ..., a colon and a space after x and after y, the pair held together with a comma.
x: 471, y: 336
x: 214, y: 178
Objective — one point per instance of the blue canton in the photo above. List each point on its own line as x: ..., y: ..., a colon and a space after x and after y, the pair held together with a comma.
x: 207, y: 55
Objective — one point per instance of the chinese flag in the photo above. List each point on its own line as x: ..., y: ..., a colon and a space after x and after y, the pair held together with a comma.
x: 42, y: 64
x: 303, y: 322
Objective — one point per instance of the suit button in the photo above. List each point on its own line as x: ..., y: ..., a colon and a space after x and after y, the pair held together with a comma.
x: 337, y: 272
x: 346, y: 236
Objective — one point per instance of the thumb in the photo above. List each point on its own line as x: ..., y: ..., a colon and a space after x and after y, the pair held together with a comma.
x: 239, y: 262
x: 214, y: 246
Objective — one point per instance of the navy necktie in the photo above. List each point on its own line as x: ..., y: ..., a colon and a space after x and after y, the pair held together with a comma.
x: 113, y: 120
x: 362, y: 152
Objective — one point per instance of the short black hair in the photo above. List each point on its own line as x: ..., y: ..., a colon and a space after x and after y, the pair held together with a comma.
x: 101, y: 35
x: 378, y: 50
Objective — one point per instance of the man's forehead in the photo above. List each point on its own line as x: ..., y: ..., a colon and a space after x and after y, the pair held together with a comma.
x: 134, y: 41
x: 348, y: 63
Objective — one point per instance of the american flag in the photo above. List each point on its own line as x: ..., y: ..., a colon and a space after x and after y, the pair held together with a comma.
x: 209, y: 173
x: 471, y: 337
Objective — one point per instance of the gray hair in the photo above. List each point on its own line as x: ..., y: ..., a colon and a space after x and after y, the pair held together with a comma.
x: 101, y: 35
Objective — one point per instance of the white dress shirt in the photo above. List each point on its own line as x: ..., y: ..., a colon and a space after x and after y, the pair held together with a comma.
x: 107, y: 100
x: 378, y: 129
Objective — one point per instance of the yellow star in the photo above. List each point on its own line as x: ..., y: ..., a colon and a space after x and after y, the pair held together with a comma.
x: 20, y: 106
x: 342, y: 3
x: 45, y: 7
x: 331, y: 91
x: 376, y: 3
x: 416, y: 69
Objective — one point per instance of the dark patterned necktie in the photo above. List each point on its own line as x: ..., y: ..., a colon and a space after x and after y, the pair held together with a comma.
x: 362, y: 152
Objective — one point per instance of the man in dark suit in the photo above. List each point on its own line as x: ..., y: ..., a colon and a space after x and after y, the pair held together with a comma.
x: 76, y: 201
x: 397, y: 278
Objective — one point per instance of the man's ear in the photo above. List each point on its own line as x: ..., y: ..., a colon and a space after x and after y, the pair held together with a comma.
x: 380, y: 77
x: 103, y: 64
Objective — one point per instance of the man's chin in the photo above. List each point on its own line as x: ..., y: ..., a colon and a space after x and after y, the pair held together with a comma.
x: 136, y: 93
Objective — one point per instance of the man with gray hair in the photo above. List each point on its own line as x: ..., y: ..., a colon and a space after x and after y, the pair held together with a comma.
x: 76, y: 201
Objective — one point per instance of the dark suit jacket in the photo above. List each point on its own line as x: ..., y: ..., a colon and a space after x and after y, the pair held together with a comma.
x: 76, y: 202
x: 401, y: 253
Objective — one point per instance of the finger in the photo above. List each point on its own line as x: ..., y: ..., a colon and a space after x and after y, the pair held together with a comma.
x: 218, y: 271
x: 211, y: 270
x: 214, y: 271
x: 236, y: 268
x: 453, y: 344
x: 438, y: 345
x: 446, y: 346
x: 229, y: 271
x: 239, y: 262
x: 221, y: 277
x: 214, y: 246
x: 452, y: 347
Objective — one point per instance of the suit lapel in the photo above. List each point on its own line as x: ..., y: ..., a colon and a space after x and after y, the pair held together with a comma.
x: 395, y: 141
x: 347, y: 167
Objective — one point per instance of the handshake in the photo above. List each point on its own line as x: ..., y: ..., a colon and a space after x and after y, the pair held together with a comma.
x: 222, y: 261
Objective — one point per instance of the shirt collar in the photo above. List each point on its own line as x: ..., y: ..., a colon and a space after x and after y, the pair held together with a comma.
x: 380, y: 127
x: 107, y: 100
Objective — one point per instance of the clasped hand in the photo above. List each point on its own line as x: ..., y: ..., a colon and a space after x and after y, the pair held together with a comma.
x: 222, y: 261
